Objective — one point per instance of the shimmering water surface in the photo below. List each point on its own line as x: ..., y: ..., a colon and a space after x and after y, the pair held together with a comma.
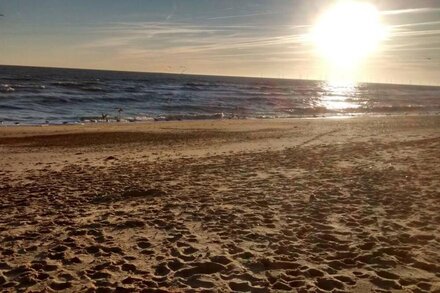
x: 40, y: 95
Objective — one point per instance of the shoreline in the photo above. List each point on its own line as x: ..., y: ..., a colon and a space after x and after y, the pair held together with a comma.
x: 165, y: 119
x: 153, y: 121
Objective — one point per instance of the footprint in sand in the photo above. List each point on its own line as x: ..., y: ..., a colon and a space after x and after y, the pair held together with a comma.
x: 143, y: 244
x: 329, y: 284
x: 162, y: 270
x: 59, y: 285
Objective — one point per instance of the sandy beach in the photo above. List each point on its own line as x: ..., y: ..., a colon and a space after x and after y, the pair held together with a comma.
x: 306, y: 205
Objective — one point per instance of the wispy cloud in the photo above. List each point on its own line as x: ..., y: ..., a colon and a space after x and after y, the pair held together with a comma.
x: 414, y: 49
x: 126, y: 33
x: 160, y: 38
x: 428, y: 23
x: 243, y: 15
x: 416, y: 36
x: 417, y: 33
x: 412, y: 11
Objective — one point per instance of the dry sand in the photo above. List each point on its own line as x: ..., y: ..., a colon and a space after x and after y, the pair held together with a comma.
x: 310, y: 205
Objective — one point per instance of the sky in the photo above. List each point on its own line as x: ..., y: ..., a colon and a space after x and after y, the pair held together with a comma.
x: 262, y: 38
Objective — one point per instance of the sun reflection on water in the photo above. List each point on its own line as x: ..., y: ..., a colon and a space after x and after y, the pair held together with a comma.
x: 339, y: 96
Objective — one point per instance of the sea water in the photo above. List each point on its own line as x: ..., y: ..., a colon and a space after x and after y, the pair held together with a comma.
x: 31, y: 95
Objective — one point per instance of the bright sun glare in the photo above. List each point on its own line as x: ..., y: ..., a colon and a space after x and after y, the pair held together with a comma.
x: 348, y: 33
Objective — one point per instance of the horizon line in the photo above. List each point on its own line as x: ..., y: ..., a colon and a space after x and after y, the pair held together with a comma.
x: 208, y: 75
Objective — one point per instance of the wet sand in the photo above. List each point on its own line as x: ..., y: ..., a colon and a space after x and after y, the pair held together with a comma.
x: 313, y: 205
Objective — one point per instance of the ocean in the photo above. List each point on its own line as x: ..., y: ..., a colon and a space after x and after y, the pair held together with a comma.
x: 32, y: 95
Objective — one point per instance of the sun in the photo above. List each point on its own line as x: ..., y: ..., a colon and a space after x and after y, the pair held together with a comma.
x: 347, y: 33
